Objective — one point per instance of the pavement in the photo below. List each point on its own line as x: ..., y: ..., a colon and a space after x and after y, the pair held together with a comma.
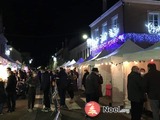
x: 74, y: 111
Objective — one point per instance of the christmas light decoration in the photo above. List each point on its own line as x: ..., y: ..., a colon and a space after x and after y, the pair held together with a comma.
x: 152, y: 29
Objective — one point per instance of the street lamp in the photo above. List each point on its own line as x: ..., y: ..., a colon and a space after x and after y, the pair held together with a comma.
x: 85, y: 36
x: 30, y: 61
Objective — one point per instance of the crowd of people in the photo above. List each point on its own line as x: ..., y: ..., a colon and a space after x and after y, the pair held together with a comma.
x: 141, y: 87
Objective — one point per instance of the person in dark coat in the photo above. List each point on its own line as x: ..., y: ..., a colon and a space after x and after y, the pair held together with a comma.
x: 32, y: 83
x: 70, y: 88
x: 62, y: 83
x: 11, y: 91
x: 45, y: 86
x: 135, y: 93
x: 2, y: 96
x: 100, y: 85
x: 86, y: 73
x: 92, y: 86
x: 152, y: 87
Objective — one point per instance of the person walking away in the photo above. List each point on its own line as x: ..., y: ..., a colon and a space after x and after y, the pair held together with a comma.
x: 135, y: 93
x: 2, y: 96
x: 11, y: 91
x: 76, y: 79
x: 86, y: 73
x: 45, y: 86
x: 62, y: 83
x: 70, y: 89
x: 92, y: 86
x: 152, y: 87
x: 100, y: 85
x: 32, y: 83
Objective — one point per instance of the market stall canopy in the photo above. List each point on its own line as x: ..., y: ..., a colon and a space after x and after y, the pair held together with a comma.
x: 66, y: 64
x: 152, y: 52
x: 71, y: 63
x: 155, y: 46
x: 127, y: 47
x: 81, y: 60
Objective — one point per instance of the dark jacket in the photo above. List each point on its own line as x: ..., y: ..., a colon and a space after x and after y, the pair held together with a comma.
x: 63, y: 80
x: 45, y: 81
x: 11, y: 84
x: 92, y: 84
x: 84, y: 78
x: 2, y: 93
x: 152, y: 84
x: 32, y: 81
x: 135, y: 87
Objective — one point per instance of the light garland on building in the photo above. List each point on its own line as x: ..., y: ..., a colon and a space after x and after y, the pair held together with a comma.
x: 152, y: 29
x: 113, y: 32
x: 119, y: 40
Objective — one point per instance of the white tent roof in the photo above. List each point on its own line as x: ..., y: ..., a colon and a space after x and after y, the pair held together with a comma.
x: 66, y: 64
x: 155, y: 46
x: 152, y: 52
x: 71, y: 63
x: 127, y: 47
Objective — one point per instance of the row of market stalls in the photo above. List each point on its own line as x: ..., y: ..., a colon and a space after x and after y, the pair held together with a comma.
x: 4, y: 63
x: 116, y: 65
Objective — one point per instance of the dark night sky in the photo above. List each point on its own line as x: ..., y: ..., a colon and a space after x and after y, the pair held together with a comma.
x: 40, y: 26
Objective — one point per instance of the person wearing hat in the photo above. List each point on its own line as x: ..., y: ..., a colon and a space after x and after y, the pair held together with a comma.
x: 92, y: 86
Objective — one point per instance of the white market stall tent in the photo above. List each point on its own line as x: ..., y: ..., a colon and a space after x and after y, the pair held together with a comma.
x: 152, y: 52
x: 117, y: 56
x: 71, y: 63
x: 111, y: 68
x: 141, y: 59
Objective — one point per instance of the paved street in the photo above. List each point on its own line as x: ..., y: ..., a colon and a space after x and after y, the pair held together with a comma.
x: 73, y: 111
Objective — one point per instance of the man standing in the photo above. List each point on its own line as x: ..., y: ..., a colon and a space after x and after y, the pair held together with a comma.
x: 62, y: 83
x: 135, y: 93
x: 11, y: 90
x: 152, y: 85
x: 45, y: 86
x: 92, y: 86
x: 86, y: 73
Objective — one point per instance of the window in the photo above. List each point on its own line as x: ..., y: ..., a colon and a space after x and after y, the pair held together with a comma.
x: 104, y: 34
x: 96, y: 33
x: 153, y: 22
x: 115, y: 21
x: 153, y: 18
x: 104, y: 28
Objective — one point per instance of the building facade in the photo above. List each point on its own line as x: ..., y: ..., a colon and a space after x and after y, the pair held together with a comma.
x: 127, y: 19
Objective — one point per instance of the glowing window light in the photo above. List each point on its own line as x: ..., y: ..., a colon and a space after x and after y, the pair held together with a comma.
x: 113, y: 32
x: 152, y: 29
